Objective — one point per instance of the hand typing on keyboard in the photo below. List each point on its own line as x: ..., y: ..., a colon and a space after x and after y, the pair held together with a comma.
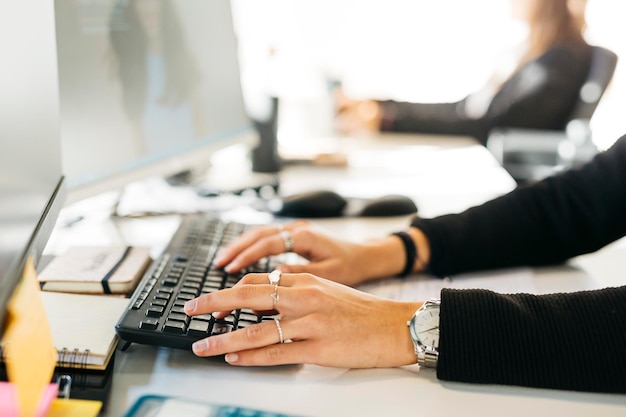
x: 321, y: 322
x: 328, y: 257
x: 192, y: 268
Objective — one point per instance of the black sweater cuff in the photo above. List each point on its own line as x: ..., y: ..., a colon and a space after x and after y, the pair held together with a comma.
x: 563, y: 341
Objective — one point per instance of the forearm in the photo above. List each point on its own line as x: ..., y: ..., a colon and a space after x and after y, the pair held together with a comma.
x: 563, y: 216
x: 570, y: 341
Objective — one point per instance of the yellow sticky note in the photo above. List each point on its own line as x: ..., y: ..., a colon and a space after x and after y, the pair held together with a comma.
x: 74, y: 408
x: 30, y: 355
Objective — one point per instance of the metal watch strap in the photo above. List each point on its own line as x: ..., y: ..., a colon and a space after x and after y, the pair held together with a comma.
x: 428, y: 359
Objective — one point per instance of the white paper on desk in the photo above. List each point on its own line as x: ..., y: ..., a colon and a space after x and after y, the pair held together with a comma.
x: 156, y: 196
x: 422, y: 287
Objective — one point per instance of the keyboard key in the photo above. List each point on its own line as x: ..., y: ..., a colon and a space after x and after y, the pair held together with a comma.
x: 221, y: 328
x: 158, y: 302
x: 155, y: 311
x: 184, y: 297
x: 189, y: 291
x: 253, y: 318
x: 170, y: 282
x: 177, y: 309
x: 178, y: 317
x: 192, y: 285
x: 173, y: 326
x: 149, y: 324
x: 205, y: 317
x: 199, y: 328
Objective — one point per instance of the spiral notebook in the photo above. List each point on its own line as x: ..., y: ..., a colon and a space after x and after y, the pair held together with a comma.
x: 83, y: 327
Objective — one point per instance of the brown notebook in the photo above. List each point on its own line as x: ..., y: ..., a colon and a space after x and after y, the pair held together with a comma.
x: 96, y: 270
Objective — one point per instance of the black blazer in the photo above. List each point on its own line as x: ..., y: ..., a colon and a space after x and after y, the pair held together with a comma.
x: 540, y: 95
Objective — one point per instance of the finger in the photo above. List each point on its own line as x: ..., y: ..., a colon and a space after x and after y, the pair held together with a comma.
x: 252, y: 337
x: 228, y: 253
x: 255, y: 297
x: 277, y: 354
x: 249, y: 279
x: 286, y: 280
x: 267, y: 246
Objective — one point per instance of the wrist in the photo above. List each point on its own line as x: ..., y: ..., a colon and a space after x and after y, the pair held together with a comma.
x: 414, y: 242
x: 384, y: 257
x: 422, y: 245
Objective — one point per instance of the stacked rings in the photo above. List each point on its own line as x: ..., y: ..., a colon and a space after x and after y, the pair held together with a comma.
x: 274, y: 279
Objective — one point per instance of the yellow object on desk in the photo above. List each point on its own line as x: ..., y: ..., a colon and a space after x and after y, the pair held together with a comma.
x: 62, y: 407
x: 27, y: 346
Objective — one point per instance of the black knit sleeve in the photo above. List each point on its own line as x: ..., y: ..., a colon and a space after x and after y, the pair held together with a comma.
x: 571, y: 341
x: 566, y: 215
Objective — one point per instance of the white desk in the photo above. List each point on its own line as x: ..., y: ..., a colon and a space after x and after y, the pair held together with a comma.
x: 442, y: 176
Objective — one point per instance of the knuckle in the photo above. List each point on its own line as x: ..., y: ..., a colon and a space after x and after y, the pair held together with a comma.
x: 247, y: 279
x: 247, y: 292
x: 254, y: 333
x: 313, y: 294
x: 311, y: 280
x: 273, y: 353
x: 215, y: 343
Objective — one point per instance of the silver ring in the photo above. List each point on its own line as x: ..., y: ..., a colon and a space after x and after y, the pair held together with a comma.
x: 275, y: 297
x: 274, y: 279
x: 287, y: 239
x: 280, y: 331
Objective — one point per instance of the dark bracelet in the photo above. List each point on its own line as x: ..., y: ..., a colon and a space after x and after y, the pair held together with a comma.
x: 411, y: 252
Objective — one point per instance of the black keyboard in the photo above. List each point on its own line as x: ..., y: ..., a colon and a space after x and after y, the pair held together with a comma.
x: 156, y: 316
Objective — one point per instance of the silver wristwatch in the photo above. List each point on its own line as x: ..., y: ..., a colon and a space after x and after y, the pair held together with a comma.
x: 424, y: 329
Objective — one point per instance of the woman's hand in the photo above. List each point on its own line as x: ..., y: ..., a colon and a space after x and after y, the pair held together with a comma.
x: 345, y: 262
x: 356, y: 116
x: 322, y: 322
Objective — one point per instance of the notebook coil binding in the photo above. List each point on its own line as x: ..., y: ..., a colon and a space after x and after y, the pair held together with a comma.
x: 72, y: 358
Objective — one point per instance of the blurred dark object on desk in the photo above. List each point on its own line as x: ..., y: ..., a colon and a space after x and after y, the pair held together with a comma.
x: 530, y: 155
x: 327, y: 203
x: 87, y: 384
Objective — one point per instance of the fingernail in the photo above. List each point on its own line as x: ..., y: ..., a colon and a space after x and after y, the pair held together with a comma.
x: 200, y: 346
x: 219, y: 258
x: 190, y: 306
x: 231, y: 357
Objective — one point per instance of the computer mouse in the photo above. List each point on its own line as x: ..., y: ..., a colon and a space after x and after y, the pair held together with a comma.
x: 389, y: 205
x: 318, y: 203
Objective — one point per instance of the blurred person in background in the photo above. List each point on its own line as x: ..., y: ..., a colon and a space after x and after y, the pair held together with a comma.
x: 539, y: 93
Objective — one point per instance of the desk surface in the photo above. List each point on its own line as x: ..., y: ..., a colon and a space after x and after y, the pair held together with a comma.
x: 442, y: 176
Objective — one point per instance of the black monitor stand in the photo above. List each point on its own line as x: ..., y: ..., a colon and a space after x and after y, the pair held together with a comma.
x: 265, y: 157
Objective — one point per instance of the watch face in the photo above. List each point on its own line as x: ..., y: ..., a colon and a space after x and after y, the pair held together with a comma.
x: 426, y: 326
